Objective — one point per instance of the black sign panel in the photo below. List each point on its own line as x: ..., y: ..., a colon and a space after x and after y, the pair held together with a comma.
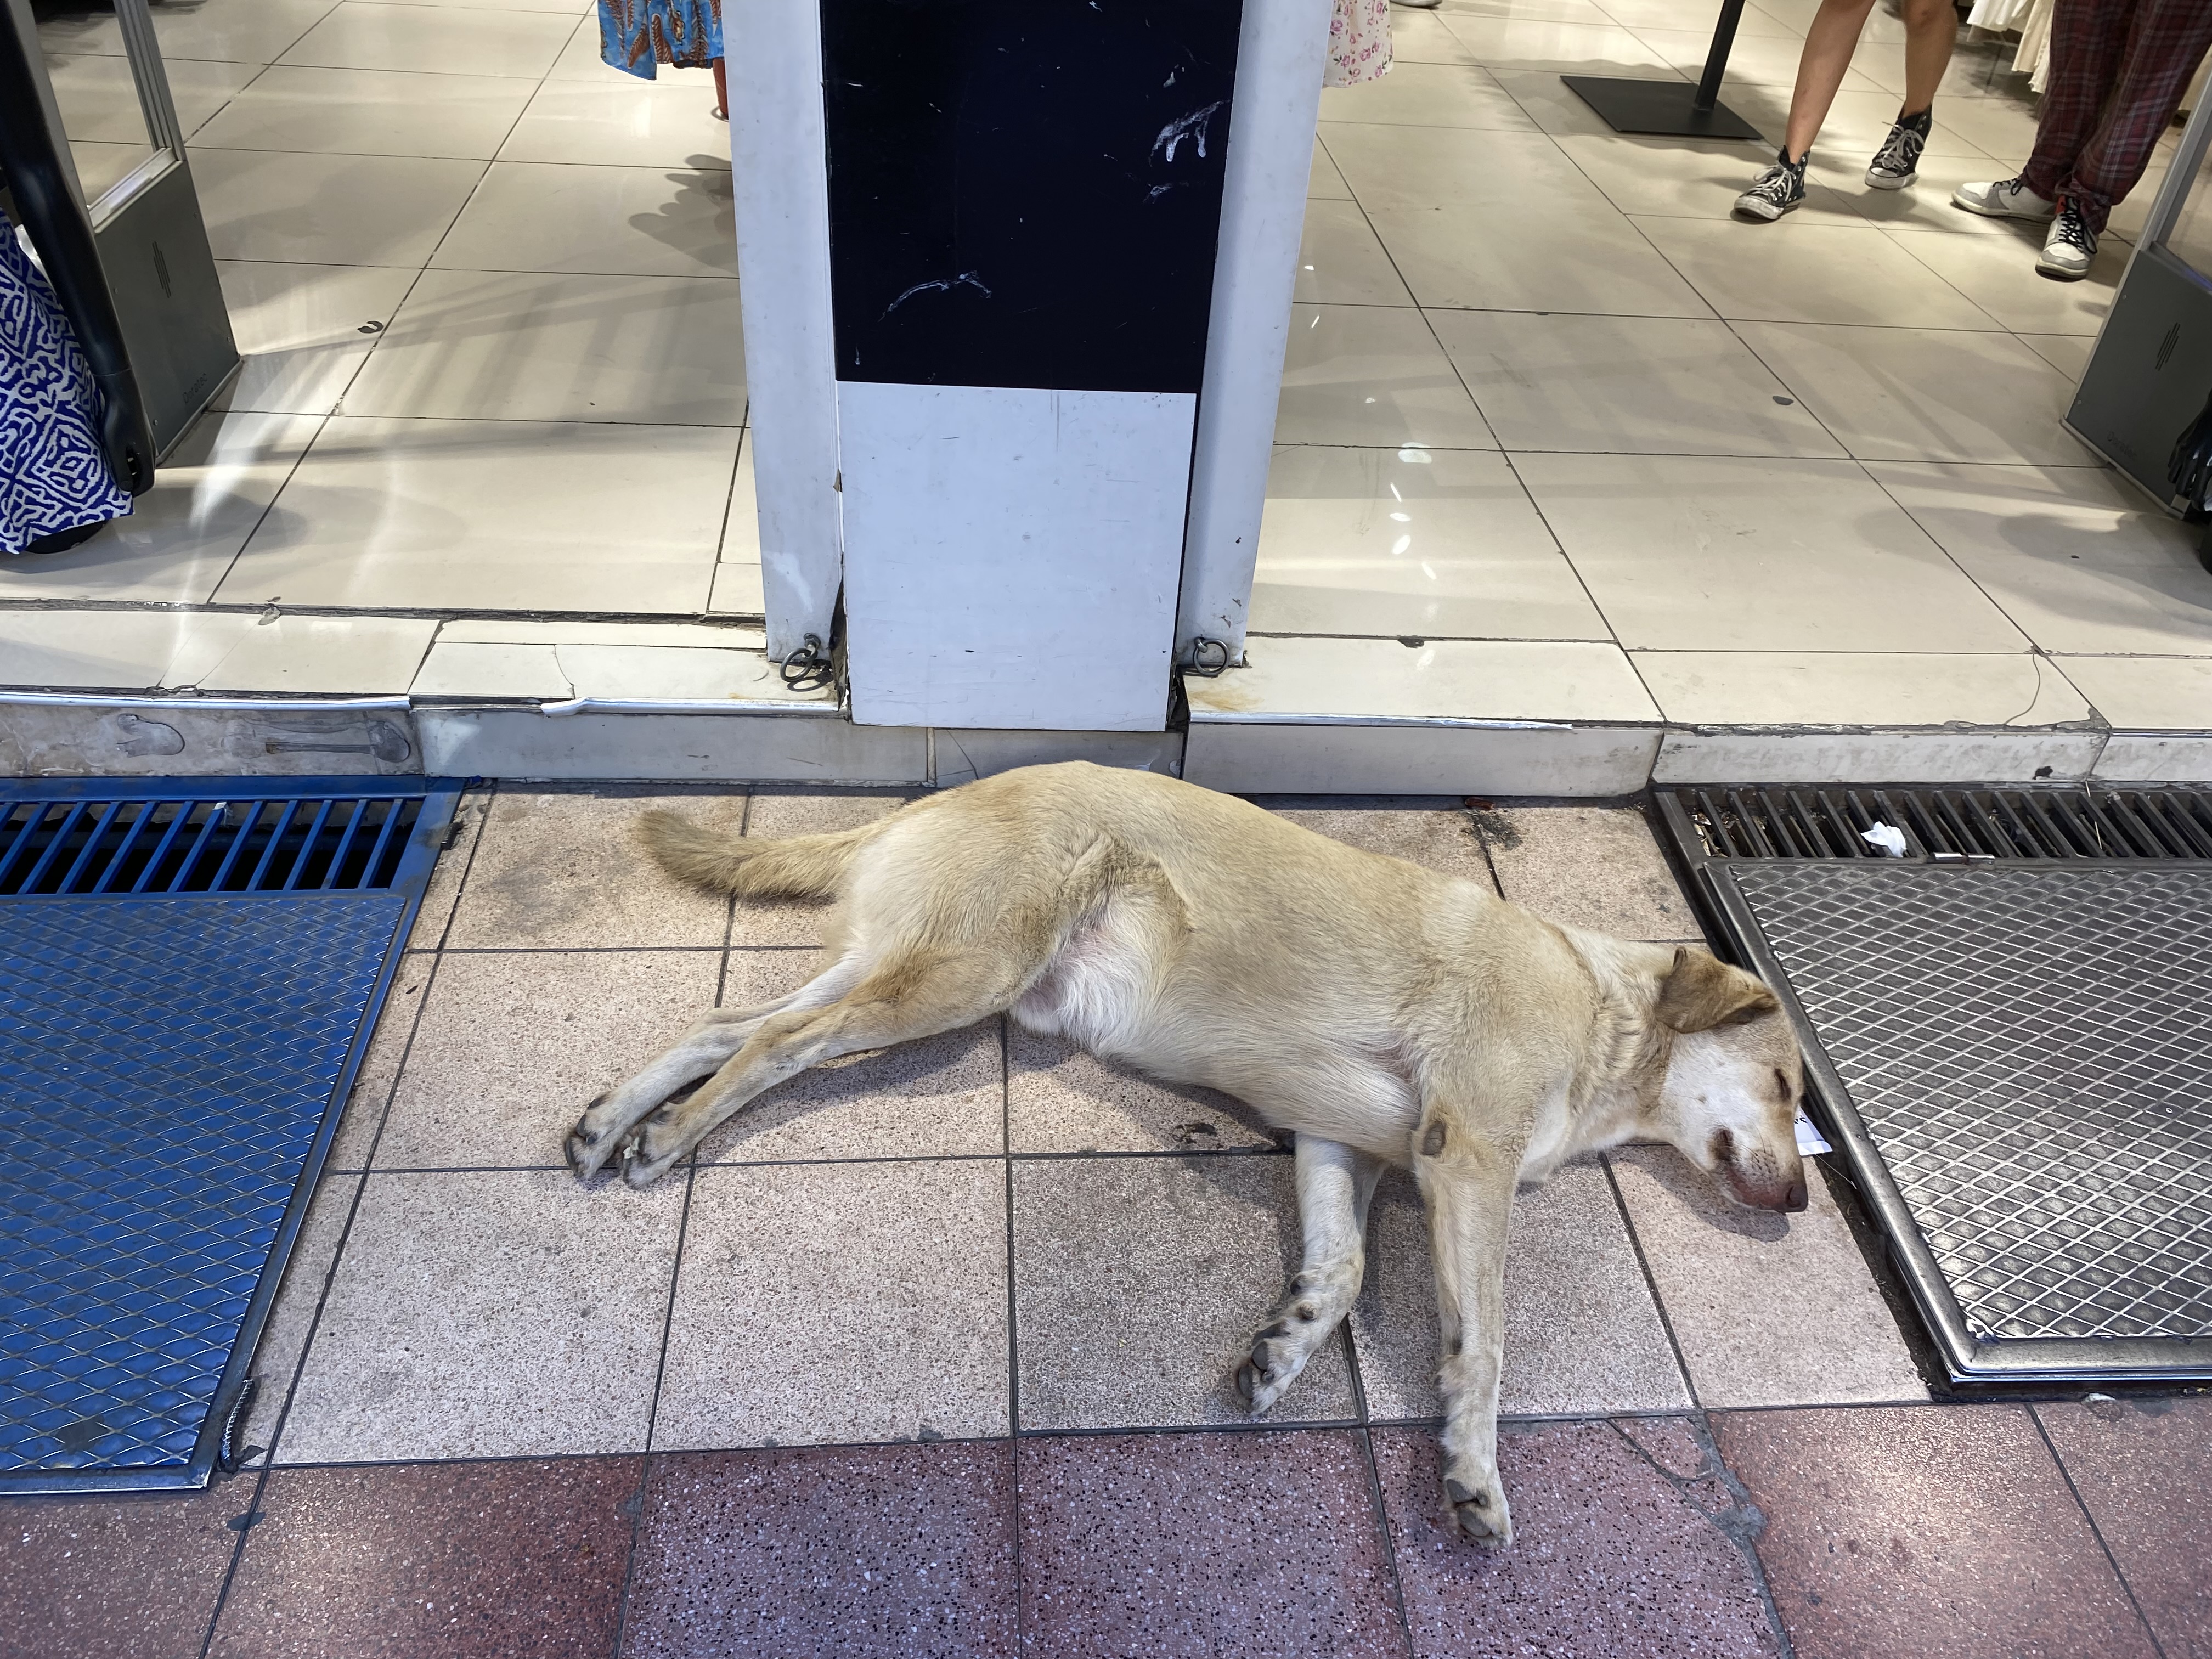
x: 1026, y: 192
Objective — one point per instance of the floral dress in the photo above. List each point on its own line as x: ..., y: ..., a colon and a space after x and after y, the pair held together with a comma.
x: 1359, y: 42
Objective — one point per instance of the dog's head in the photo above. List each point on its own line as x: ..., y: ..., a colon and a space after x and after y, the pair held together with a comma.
x: 1734, y: 1076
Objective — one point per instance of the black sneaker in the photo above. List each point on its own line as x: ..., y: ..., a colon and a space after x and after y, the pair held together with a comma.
x: 1778, y: 190
x: 2071, y: 247
x: 1897, y: 163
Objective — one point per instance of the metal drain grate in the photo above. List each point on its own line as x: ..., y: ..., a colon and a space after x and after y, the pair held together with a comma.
x: 2009, y: 1031
x: 191, y: 972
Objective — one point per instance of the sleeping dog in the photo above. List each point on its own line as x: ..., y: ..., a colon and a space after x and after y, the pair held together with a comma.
x: 1381, y: 1012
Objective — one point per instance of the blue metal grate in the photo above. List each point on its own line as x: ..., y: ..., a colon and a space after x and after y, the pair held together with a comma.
x: 188, y: 975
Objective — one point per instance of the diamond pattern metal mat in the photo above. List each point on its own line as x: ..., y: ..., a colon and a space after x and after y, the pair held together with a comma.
x: 2030, y: 1051
x: 165, y: 1066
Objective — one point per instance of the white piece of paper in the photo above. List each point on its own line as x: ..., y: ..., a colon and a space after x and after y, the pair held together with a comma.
x: 1810, y: 1141
x: 1887, y: 836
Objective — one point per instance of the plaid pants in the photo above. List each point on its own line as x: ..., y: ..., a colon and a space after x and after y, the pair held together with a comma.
x: 2118, y: 68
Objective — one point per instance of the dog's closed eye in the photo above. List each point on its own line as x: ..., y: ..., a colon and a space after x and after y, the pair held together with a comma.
x: 1782, y: 1089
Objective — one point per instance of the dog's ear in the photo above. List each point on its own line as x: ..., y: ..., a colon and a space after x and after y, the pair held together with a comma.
x: 1700, y: 992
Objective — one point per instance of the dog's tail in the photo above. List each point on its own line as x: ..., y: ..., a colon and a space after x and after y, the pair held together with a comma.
x: 803, y: 866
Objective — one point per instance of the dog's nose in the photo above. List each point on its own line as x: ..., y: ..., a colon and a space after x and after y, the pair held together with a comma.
x: 1797, y: 1198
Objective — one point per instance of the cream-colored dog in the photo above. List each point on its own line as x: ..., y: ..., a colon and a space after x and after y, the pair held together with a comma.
x: 1384, y: 1012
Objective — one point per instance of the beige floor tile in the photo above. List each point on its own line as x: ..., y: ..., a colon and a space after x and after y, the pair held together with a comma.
x: 101, y: 167
x: 845, y: 1301
x: 1908, y: 394
x: 370, y: 112
x: 301, y: 330
x: 1422, y: 169
x: 1581, y: 1333
x: 1439, y: 835
x: 1841, y: 688
x: 1693, y: 15
x: 329, y: 210
x: 513, y: 1045
x: 2003, y: 127
x: 2067, y: 353
x: 772, y: 813
x: 517, y: 346
x: 362, y: 1120
x: 377, y: 507
x: 1385, y: 680
x: 1428, y: 95
x: 182, y: 535
x: 668, y: 124
x: 488, y: 1314
x: 1138, y: 1285
x: 1557, y: 109
x: 1625, y: 385
x: 1060, y: 1099
x: 237, y: 31
x: 362, y: 34
x: 1421, y: 37
x: 1857, y: 121
x: 2146, y: 693
x: 1535, y: 44
x: 1384, y: 542
x: 1923, y: 205
x: 99, y: 100
x: 941, y: 1097
x: 284, y: 1338
x: 1685, y: 178
x: 1998, y: 274
x: 2078, y: 558
x: 739, y: 590
x: 1589, y: 261
x: 1372, y: 375
x: 1770, y: 1310
x: 1755, y: 60
x: 1541, y: 11
x: 1692, y: 553
x: 1324, y: 183
x: 1812, y: 273
x: 140, y: 650
x: 1341, y: 263
x: 567, y: 8
x: 557, y: 869
x: 436, y: 914
x: 1588, y: 867
x: 605, y: 221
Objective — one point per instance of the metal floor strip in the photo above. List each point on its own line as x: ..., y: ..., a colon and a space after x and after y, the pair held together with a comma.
x: 189, y: 974
x: 2010, y: 1031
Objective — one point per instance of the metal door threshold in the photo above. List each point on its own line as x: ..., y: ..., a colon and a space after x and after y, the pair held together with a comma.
x: 2008, y: 1033
x: 189, y: 974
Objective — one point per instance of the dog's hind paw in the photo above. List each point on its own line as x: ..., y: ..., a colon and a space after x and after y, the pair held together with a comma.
x: 1272, y: 1366
x: 1481, y: 1515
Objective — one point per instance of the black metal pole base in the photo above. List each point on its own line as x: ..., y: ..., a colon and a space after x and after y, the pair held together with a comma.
x: 1660, y: 106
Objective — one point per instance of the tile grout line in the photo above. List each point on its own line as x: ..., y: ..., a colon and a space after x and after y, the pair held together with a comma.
x: 2095, y: 1531
x: 1013, y: 1335
x: 1363, y: 1429
x: 1651, y: 1284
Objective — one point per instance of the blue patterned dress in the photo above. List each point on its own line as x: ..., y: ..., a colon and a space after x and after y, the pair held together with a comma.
x: 53, y: 473
x: 637, y: 35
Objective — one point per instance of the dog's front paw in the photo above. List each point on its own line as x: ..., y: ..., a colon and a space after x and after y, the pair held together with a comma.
x: 646, y: 1155
x: 1279, y: 1354
x: 1478, y: 1504
x: 587, y: 1146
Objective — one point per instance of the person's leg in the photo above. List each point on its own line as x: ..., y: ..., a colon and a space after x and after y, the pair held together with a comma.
x: 2163, y: 48
x: 1931, y: 29
x: 2088, y: 38
x: 1827, y: 55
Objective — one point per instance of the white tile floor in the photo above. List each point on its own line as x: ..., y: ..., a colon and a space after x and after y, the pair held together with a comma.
x: 1609, y: 453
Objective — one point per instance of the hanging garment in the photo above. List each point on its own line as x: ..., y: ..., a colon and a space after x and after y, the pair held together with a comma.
x: 1359, y: 42
x: 54, y: 475
x: 637, y: 35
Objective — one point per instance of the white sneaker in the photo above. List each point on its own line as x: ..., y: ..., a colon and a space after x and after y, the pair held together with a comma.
x: 2071, y: 248
x: 2007, y: 199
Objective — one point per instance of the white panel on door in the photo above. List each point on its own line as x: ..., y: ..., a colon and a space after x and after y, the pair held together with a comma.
x: 1012, y: 555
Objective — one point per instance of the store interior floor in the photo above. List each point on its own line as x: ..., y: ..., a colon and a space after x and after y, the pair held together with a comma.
x: 928, y: 1353
x: 1549, y: 414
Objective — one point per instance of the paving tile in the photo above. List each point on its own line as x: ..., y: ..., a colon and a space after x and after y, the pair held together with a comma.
x: 1683, y: 178
x: 2152, y: 692
x: 1860, y: 688
x: 2142, y: 1467
x: 560, y: 869
x: 906, y: 1552
x: 1340, y: 262
x: 615, y: 121
x: 1203, y: 1544
x: 1816, y: 273
x: 365, y: 1106
x: 358, y: 34
x: 1998, y: 274
x: 436, y: 911
x: 500, y: 1315
x: 1580, y: 256
x: 1610, y: 1555
x: 942, y: 1095
x: 1440, y: 834
x: 774, y: 814
x: 298, y: 1299
x: 299, y: 328
x: 1416, y: 94
x: 513, y: 1045
x: 370, y: 111
x: 120, y: 1578
x: 1390, y: 679
x: 329, y: 210
x: 1139, y: 1282
x: 435, y: 1561
x: 1581, y: 1334
x: 1372, y: 375
x: 1588, y: 867
x: 1770, y: 1310
x: 538, y: 216
x: 1060, y: 1099
x: 1923, y: 1529
x: 839, y: 1302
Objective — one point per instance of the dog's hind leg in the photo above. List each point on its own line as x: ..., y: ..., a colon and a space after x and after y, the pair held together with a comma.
x: 897, y: 1001
x: 719, y: 1034
x: 1335, y: 1183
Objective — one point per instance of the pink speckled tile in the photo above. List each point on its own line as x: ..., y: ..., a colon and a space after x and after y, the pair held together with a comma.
x: 1202, y: 1543
x: 1926, y: 1529
x: 1611, y: 1556
x: 120, y: 1577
